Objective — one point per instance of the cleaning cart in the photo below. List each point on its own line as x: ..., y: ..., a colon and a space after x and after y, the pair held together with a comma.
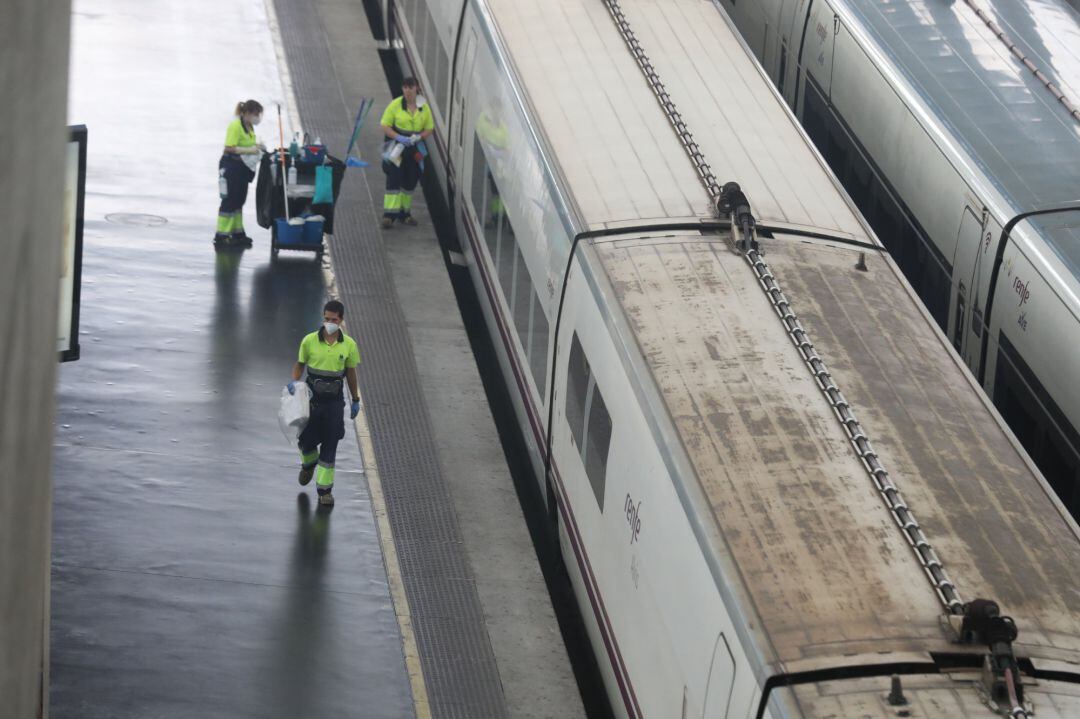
x: 295, y: 196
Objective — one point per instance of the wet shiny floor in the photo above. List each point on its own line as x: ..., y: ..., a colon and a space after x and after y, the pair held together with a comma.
x: 192, y: 576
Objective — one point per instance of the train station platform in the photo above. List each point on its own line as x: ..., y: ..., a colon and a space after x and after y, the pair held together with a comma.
x: 192, y: 576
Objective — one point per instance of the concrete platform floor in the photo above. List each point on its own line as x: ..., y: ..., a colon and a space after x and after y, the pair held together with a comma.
x: 192, y: 577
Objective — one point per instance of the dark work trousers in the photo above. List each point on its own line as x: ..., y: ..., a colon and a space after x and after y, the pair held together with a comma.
x: 319, y: 440
x: 400, y: 183
x: 237, y: 179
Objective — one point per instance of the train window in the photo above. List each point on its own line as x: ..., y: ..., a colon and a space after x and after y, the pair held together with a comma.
x: 593, y: 438
x: 442, y: 91
x: 597, y: 443
x: 419, y: 27
x: 432, y: 56
x: 538, y: 343
x: 526, y: 308
x: 783, y: 68
x: 1039, y: 424
x: 958, y: 331
x: 521, y: 296
x: 492, y: 230
x: 479, y: 182
x: 815, y: 116
x: 577, y: 386
x: 507, y: 254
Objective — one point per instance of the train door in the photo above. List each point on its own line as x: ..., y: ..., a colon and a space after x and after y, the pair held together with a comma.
x: 815, y: 57
x: 967, y: 326
x: 785, y: 22
x: 461, y: 80
x: 721, y: 681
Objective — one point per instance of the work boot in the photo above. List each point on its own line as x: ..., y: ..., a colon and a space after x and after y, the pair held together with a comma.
x: 387, y: 222
x: 409, y: 220
x: 326, y: 500
x: 241, y: 240
x: 306, y: 473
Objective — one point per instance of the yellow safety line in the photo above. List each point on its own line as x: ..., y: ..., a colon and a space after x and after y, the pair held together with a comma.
x: 386, y: 540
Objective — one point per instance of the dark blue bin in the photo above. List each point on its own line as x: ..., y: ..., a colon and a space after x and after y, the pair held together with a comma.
x: 313, y: 231
x: 289, y: 234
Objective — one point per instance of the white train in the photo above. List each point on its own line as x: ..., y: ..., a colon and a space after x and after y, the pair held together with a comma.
x: 737, y: 546
x: 944, y: 137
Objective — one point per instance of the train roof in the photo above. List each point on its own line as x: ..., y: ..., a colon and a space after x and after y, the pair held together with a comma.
x: 620, y: 158
x: 824, y: 566
x: 1024, y: 140
x: 819, y: 564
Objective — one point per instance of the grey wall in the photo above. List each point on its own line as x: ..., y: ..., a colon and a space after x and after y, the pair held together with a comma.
x: 34, y: 40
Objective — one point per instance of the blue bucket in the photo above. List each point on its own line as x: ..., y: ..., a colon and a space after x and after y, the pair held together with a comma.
x: 313, y: 230
x: 289, y: 234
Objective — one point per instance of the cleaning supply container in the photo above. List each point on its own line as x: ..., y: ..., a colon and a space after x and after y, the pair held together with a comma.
x: 290, y: 232
x: 313, y: 229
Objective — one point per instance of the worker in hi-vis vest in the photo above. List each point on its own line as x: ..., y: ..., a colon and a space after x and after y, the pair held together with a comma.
x: 407, y: 122
x: 236, y: 170
x: 330, y: 357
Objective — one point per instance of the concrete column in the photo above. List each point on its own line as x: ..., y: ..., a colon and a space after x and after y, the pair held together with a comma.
x: 34, y: 45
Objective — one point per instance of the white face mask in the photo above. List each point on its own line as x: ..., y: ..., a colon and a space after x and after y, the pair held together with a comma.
x: 331, y: 327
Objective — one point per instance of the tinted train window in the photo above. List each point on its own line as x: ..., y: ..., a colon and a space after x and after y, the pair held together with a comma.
x: 523, y: 295
x: 1038, y: 423
x: 783, y: 68
x: 508, y: 253
x: 597, y: 442
x: 592, y: 438
x: 577, y: 386
x: 479, y: 181
x: 515, y: 281
x: 538, y: 344
x: 443, y: 82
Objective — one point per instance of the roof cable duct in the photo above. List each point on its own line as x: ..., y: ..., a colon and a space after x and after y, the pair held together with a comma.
x: 682, y: 131
x: 1024, y: 60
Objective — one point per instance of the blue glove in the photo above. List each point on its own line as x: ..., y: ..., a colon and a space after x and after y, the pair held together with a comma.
x: 292, y: 386
x: 354, y: 409
x: 402, y: 139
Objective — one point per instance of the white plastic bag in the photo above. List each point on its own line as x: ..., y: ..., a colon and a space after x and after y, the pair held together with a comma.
x: 294, y: 411
x: 393, y: 154
x: 252, y: 161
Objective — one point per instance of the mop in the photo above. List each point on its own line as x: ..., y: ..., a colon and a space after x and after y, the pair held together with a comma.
x: 361, y: 114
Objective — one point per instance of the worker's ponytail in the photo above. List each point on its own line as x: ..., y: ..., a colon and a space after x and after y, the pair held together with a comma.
x: 250, y: 106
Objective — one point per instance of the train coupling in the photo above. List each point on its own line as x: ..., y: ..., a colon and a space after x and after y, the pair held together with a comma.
x: 983, y: 623
x: 734, y: 205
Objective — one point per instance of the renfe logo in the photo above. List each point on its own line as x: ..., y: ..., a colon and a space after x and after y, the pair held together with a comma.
x: 633, y: 517
x: 1021, y: 289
